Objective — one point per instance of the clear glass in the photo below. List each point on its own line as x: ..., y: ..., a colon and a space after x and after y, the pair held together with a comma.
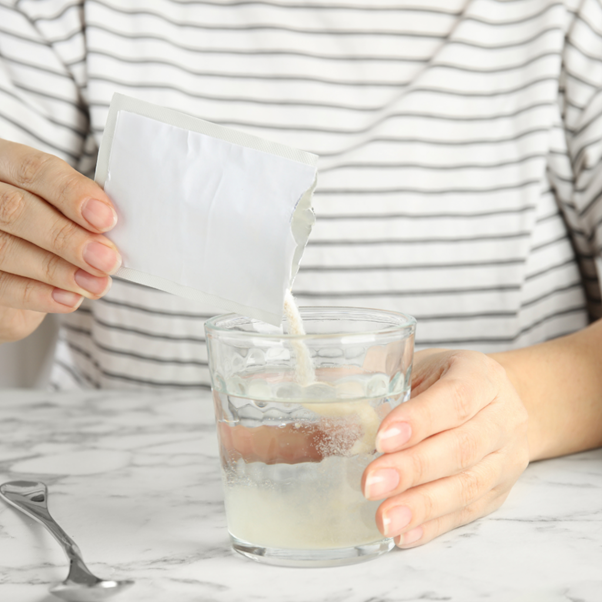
x: 293, y: 448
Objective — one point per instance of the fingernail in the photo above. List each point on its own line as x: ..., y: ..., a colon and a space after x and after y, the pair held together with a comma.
x: 91, y: 283
x: 66, y: 297
x: 99, y: 214
x: 410, y: 537
x: 394, y: 437
x: 380, y: 482
x: 396, y: 519
x: 101, y: 257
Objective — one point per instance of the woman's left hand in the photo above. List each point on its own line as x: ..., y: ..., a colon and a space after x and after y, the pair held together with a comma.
x: 452, y: 452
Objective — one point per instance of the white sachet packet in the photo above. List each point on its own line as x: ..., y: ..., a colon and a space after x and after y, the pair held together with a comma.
x: 205, y: 212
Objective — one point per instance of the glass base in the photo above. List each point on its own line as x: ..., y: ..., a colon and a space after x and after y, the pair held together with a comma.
x: 312, y: 558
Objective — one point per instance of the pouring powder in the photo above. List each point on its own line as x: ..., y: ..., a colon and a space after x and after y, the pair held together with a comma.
x: 305, y: 375
x: 304, y: 370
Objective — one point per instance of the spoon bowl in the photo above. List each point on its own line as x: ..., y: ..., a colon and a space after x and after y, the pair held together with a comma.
x: 31, y: 498
x: 76, y: 592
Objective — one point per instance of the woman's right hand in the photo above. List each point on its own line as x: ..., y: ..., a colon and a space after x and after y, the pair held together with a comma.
x: 52, y: 252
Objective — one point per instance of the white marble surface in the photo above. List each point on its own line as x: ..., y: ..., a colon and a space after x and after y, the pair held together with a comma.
x: 134, y: 479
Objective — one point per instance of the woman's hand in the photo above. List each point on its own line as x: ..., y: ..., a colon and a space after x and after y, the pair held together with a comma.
x: 52, y: 253
x: 452, y: 452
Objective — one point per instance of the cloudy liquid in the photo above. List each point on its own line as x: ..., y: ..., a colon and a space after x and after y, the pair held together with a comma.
x: 292, y: 470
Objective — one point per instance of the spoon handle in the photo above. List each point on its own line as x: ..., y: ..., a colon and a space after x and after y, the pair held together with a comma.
x: 31, y: 498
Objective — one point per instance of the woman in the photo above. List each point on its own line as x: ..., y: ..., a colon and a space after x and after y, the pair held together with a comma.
x: 459, y: 181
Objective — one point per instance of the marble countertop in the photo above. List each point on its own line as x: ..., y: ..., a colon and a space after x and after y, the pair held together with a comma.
x: 134, y: 479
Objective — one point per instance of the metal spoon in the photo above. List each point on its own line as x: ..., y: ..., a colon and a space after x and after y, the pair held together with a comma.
x: 81, y: 585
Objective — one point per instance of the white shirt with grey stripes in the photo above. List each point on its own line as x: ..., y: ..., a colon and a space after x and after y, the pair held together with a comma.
x: 460, y: 144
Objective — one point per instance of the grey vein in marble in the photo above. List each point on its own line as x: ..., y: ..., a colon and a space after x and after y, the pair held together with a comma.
x: 134, y: 479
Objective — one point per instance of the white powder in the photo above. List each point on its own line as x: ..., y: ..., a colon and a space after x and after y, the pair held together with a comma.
x: 304, y: 370
x: 305, y: 375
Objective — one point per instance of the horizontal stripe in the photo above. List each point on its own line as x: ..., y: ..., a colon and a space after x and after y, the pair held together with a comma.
x: 18, y: 36
x: 581, y: 79
x: 132, y: 379
x: 119, y: 59
x: 374, y: 191
x: 434, y: 167
x: 77, y: 377
x: 498, y: 340
x: 154, y: 60
x: 157, y: 312
x: 282, y: 28
x: 571, y: 42
x: 407, y: 115
x: 428, y: 216
x: 30, y: 65
x: 407, y: 292
x: 549, y: 269
x: 45, y: 94
x: 547, y: 295
x: 137, y: 356
x: 431, y: 142
x: 579, y: 19
x: 35, y: 136
x: 467, y: 18
x: 417, y: 266
x: 421, y: 241
x: 56, y: 16
x: 327, y: 82
x: 80, y: 132
x: 465, y: 118
x: 321, y: 7
x: 433, y: 197
x: 591, y: 122
x: 136, y: 331
x: 90, y: 25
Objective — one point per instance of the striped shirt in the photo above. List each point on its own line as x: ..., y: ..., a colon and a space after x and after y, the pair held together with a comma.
x: 460, y: 144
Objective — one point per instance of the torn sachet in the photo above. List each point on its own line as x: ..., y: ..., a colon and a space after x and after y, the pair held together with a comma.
x: 205, y: 212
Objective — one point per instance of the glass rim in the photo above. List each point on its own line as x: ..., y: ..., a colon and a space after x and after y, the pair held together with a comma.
x: 406, y: 321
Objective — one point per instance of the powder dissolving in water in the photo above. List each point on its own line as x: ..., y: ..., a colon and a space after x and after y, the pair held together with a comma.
x: 312, y: 504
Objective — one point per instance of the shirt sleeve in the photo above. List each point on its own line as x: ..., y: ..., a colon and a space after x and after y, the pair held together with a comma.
x: 575, y: 164
x: 43, y: 78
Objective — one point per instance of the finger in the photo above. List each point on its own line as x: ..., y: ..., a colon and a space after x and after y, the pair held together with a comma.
x: 23, y: 293
x: 80, y: 199
x: 22, y: 258
x: 447, y: 453
x: 467, y: 383
x: 427, y: 502
x: 26, y: 216
x: 427, y: 368
x: 432, y: 529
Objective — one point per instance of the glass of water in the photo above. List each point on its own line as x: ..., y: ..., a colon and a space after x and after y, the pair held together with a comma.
x: 294, y: 442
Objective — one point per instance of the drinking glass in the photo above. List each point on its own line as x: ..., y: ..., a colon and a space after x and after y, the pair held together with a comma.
x: 297, y: 417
